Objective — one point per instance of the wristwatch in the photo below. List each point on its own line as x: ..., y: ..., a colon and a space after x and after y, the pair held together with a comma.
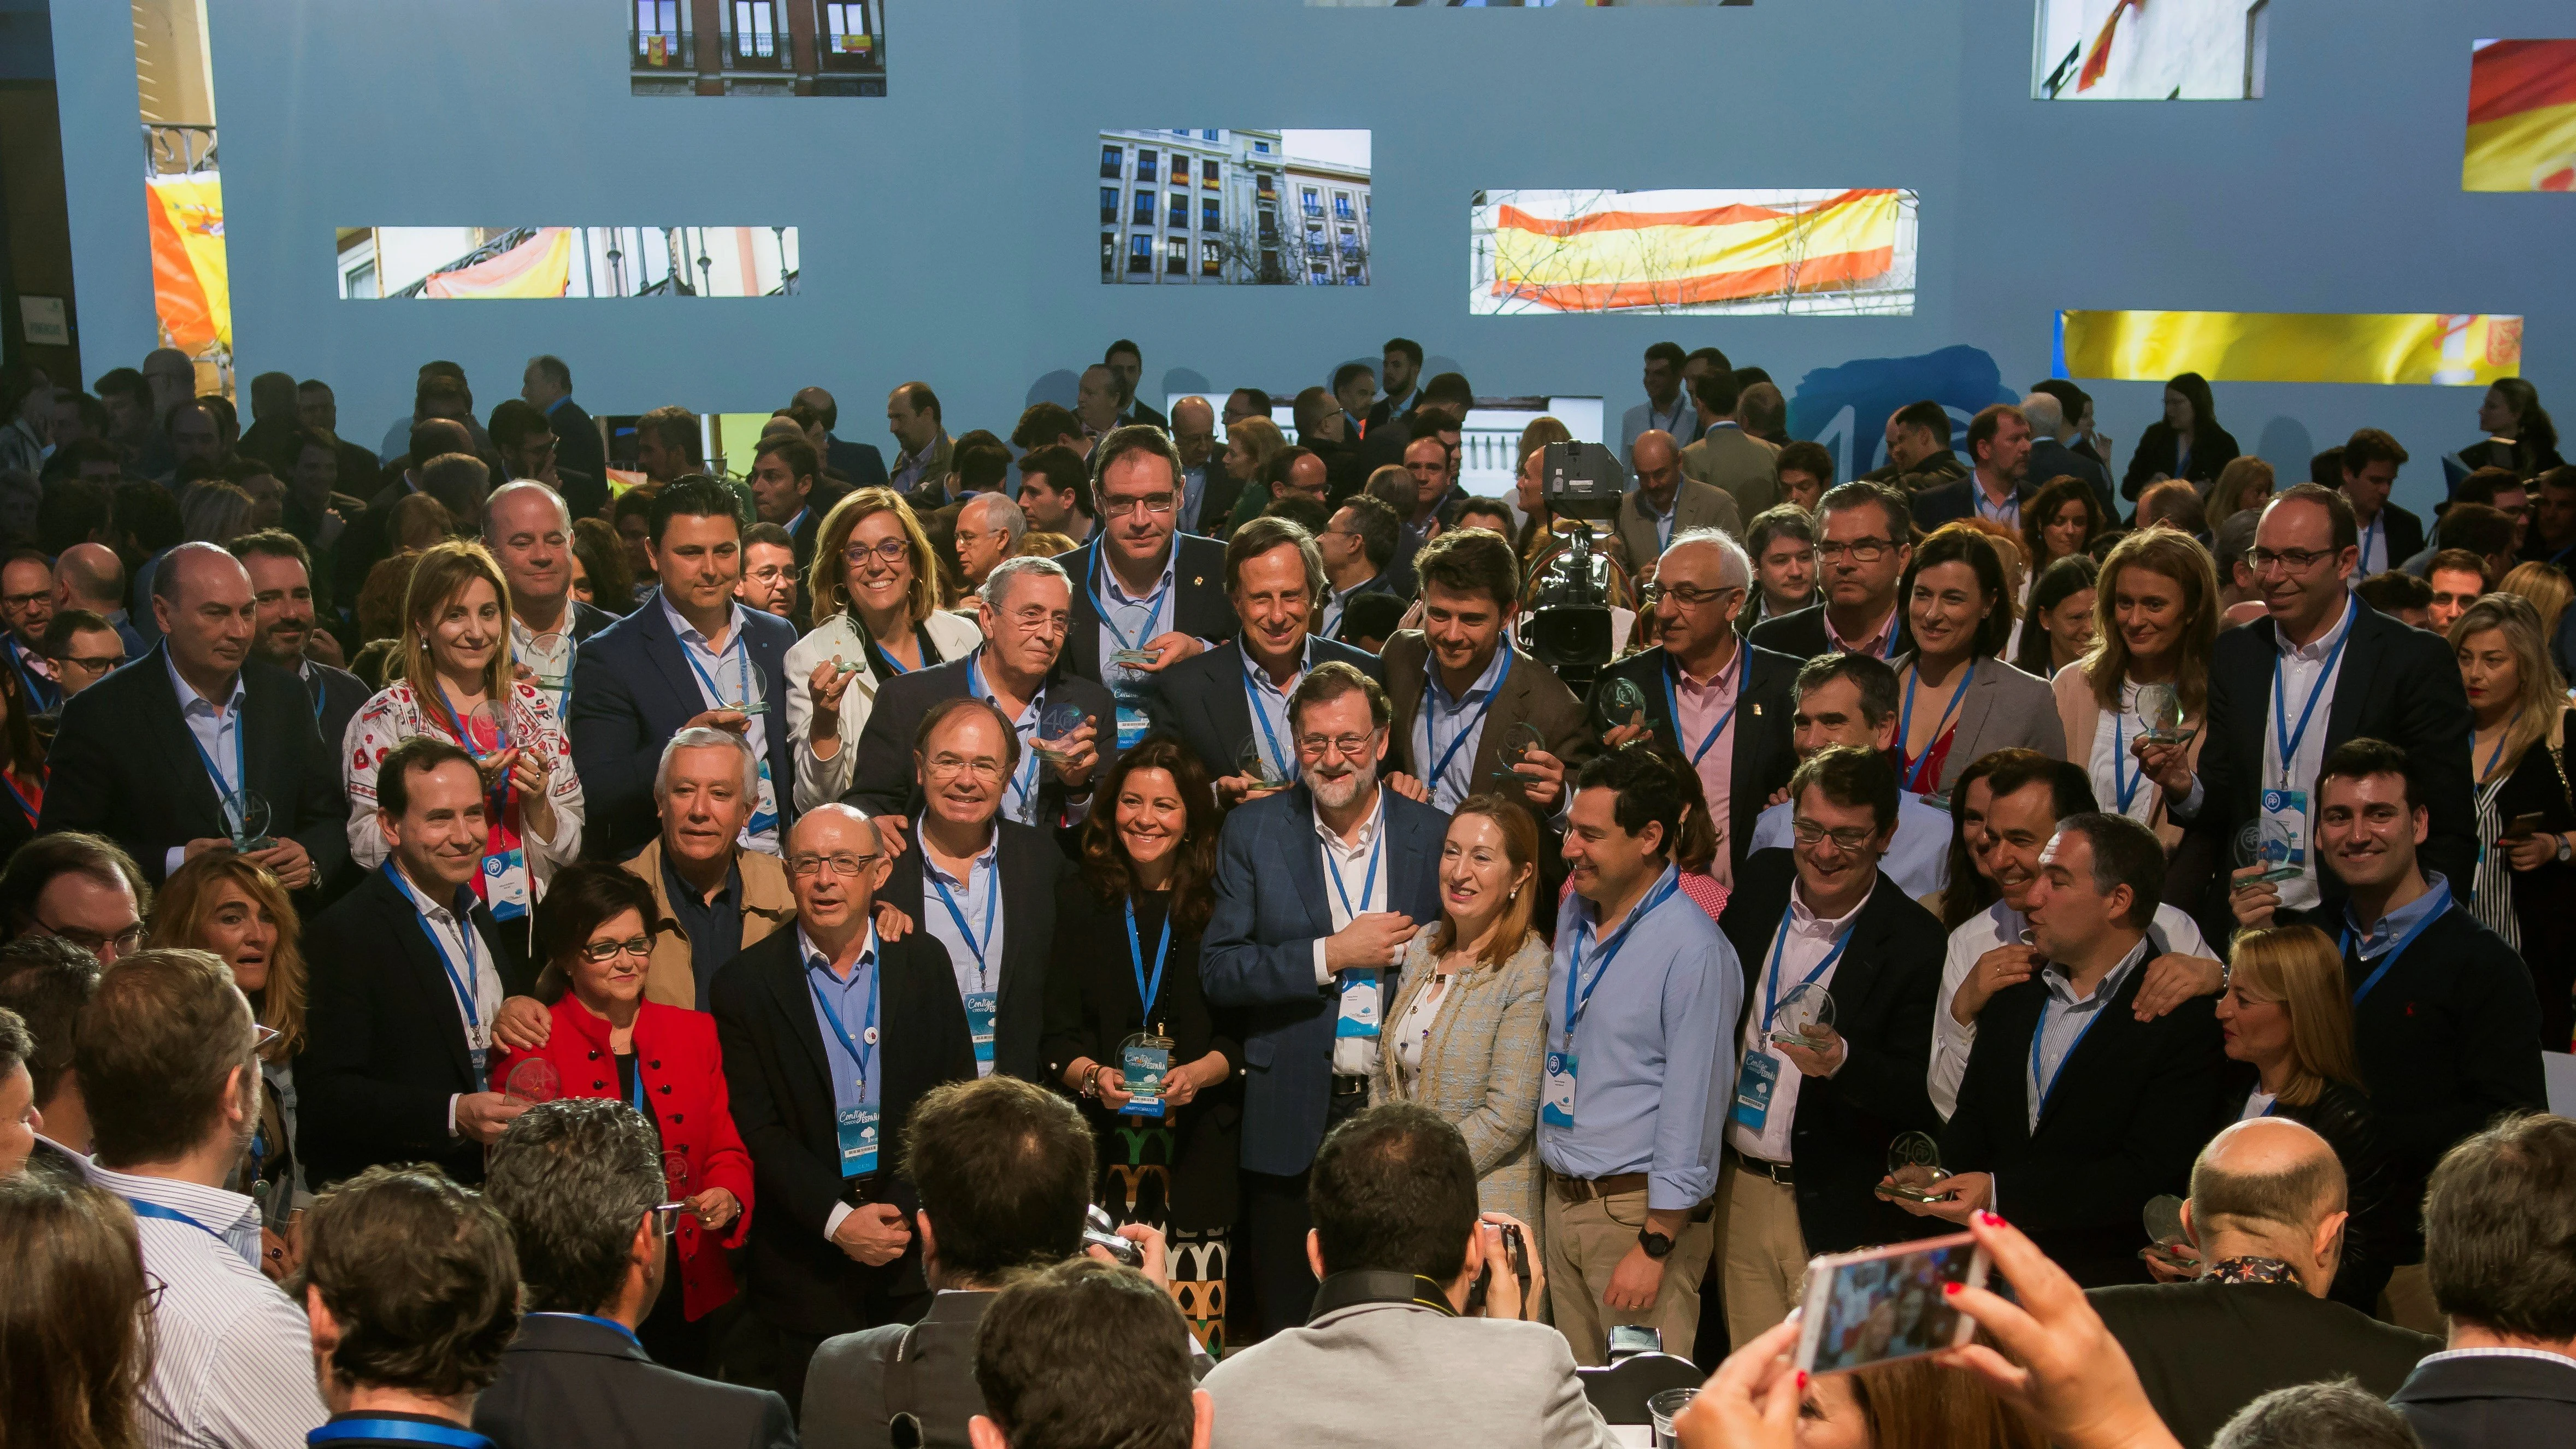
x: 2566, y: 850
x: 1657, y: 1246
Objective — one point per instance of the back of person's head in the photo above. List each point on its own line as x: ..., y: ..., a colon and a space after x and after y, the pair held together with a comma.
x: 2326, y: 469
x: 1377, y: 526
x: 44, y: 982
x: 2500, y: 1230
x: 575, y: 1178
x: 1715, y: 393
x: 2482, y: 486
x: 1085, y: 1355
x: 163, y: 1047
x: 2337, y: 1415
x: 2396, y: 590
x: 1004, y: 1171
x: 981, y: 468
x: 2175, y: 504
x: 1761, y: 409
x: 1914, y: 1403
x: 74, y: 1352
x: 433, y: 437
x: 1044, y: 423
x: 2268, y: 1177
x: 1449, y: 390
x: 2476, y: 527
x: 1393, y: 486
x: 675, y: 428
x: 1393, y: 1190
x: 413, y: 1283
x: 1371, y: 617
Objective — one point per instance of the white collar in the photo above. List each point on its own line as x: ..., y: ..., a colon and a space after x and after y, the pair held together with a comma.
x: 2324, y: 644
x: 688, y: 633
x: 188, y: 694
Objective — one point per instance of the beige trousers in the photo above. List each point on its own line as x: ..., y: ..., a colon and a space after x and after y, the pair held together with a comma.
x: 1585, y: 1241
x: 1764, y: 1253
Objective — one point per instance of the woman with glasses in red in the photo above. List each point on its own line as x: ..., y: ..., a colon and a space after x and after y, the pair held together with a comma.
x: 594, y: 936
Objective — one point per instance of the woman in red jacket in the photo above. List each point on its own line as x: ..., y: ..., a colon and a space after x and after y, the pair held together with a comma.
x: 604, y: 1039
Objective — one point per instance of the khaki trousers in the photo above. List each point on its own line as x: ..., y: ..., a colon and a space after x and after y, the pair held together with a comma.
x: 1764, y: 1263
x: 1584, y: 1243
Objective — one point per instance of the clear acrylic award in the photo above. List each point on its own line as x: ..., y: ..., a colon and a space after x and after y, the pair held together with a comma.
x: 2160, y: 716
x: 1519, y: 743
x: 1254, y: 764
x: 2269, y: 843
x: 1620, y: 704
x: 1803, y: 1016
x: 2166, y: 1235
x: 1914, y: 1165
x: 1056, y: 724
x: 248, y: 815
x: 533, y: 1081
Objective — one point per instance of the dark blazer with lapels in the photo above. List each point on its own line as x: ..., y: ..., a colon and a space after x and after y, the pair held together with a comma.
x: 1766, y: 708
x: 632, y: 689
x: 1198, y: 606
x: 1202, y: 700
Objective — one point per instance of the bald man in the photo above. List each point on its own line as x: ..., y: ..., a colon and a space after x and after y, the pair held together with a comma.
x: 1665, y: 503
x: 166, y: 759
x: 2267, y: 1215
x: 90, y: 576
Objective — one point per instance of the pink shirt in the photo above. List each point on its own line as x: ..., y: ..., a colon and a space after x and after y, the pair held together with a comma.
x: 1879, y: 643
x: 1699, y: 707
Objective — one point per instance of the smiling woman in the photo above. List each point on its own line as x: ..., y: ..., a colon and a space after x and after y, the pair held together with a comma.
x: 1959, y: 700
x: 2155, y: 621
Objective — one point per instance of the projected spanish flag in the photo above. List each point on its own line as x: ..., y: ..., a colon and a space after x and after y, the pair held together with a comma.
x: 1828, y: 252
x: 2444, y: 349
x: 2522, y: 117
x: 191, y: 282
x: 541, y: 266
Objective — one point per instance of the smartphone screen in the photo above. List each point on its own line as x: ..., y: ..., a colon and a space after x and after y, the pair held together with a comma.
x: 1888, y: 1303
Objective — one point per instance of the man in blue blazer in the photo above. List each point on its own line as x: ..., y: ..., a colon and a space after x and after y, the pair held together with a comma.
x: 1318, y: 890
x: 1139, y: 584
x: 691, y: 657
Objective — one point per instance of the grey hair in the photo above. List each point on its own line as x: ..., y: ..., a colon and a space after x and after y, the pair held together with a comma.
x: 573, y: 1178
x: 704, y: 738
x: 492, y: 505
x: 2338, y: 1415
x: 1000, y: 509
x: 997, y: 583
x: 2046, y: 414
x: 1737, y: 570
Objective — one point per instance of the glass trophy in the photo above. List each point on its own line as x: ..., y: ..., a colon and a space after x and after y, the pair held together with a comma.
x: 746, y: 691
x: 1913, y: 1165
x: 248, y: 815
x: 2160, y: 716
x: 1620, y: 703
x: 1254, y: 764
x: 533, y: 1081
x: 1144, y: 1060
x: 551, y: 654
x: 1803, y: 1016
x: 487, y: 730
x: 2269, y: 843
x: 1130, y: 658
x: 1519, y: 743
x: 1056, y: 725
x: 843, y: 666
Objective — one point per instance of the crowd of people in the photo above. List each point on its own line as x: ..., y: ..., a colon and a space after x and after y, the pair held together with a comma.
x: 1093, y: 935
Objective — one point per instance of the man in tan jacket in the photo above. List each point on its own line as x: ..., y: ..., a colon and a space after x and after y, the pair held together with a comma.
x: 1728, y: 457
x: 711, y: 897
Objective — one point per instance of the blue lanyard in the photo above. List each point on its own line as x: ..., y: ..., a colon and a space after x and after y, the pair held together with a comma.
x: 2125, y: 784
x: 464, y: 737
x: 2284, y: 736
x: 643, y: 1104
x: 611, y: 1323
x: 1771, y: 978
x: 1252, y: 696
x: 741, y: 665
x: 1673, y: 708
x: 1465, y: 731
x: 1147, y: 991
x: 400, y: 1431
x: 26, y: 807
x: 1153, y: 606
x: 893, y: 666
x: 1905, y: 725
x: 1368, y: 884
x: 992, y: 897
x: 2039, y: 1029
x: 1026, y: 788
x: 144, y: 1209
x: 2492, y: 755
x: 321, y: 697
x: 2389, y: 961
x: 862, y: 1058
x: 241, y: 762
x: 1574, y: 1005
x: 465, y: 983
x: 36, y: 688
x: 2369, y: 534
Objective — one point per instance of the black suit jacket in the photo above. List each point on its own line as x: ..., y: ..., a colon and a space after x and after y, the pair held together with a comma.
x: 1198, y: 606
x: 2205, y: 1350
x: 124, y: 765
x: 585, y: 494
x: 882, y: 780
x: 2403, y: 532
x: 588, y: 619
x: 2132, y: 1105
x: 861, y: 463
x: 2395, y: 684
x: 778, y: 1076
x: 1883, y: 990
x: 336, y: 696
x: 632, y: 690
x: 1032, y: 870
x: 860, y: 1381
x: 362, y: 544
x: 1764, y: 757
x: 1958, y: 499
x: 384, y: 1048
x: 2051, y: 460
x: 1801, y: 635
x: 2158, y: 448
x: 1141, y: 411
x: 1202, y: 700
x: 2479, y: 1403
x: 1216, y: 503
x: 566, y: 1381
x: 577, y: 442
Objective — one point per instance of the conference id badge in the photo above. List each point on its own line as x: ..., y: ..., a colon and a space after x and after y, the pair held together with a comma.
x: 1359, y: 1004
x: 2285, y: 823
x: 1132, y: 725
x: 1753, y: 1086
x: 858, y: 1131
x: 505, y: 883
x: 764, y: 814
x: 1143, y: 1064
x: 1556, y: 1094
x: 979, y: 1024
x: 482, y: 1056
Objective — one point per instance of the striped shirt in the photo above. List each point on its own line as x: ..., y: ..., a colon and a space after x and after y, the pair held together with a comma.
x: 233, y: 1364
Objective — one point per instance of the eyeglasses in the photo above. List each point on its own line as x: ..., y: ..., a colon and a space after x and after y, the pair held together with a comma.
x: 129, y: 939
x: 891, y: 552
x: 261, y: 1036
x: 154, y: 1287
x: 844, y: 864
x: 1038, y: 619
x: 1349, y: 747
x: 1862, y: 550
x: 1683, y: 595
x: 1152, y: 505
x: 666, y: 1217
x: 94, y: 663
x: 600, y: 953
x: 26, y: 601
x: 2297, y: 560
x: 771, y: 573
x: 1847, y: 839
x: 949, y: 767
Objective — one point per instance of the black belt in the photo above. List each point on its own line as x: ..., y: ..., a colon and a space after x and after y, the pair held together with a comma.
x: 1778, y: 1172
x: 1349, y: 1086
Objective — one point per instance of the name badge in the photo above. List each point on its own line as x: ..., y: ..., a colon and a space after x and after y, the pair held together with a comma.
x: 858, y: 1132
x: 1132, y: 725
x: 764, y: 811
x: 2285, y: 819
x: 1144, y: 1067
x: 1556, y: 1095
x: 482, y: 1056
x: 1753, y: 1091
x: 979, y: 1024
x: 505, y: 883
x: 1359, y: 1004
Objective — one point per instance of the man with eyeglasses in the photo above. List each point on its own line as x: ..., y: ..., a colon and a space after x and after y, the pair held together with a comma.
x: 2287, y: 690
x: 1149, y: 595
x: 1358, y: 544
x: 831, y: 1033
x: 988, y: 530
x: 166, y: 1053
x: 1865, y: 539
x: 1850, y: 699
x: 769, y: 574
x: 1665, y: 505
x: 84, y: 648
x: 26, y: 607
x: 1717, y: 702
x: 1318, y: 890
x: 75, y: 887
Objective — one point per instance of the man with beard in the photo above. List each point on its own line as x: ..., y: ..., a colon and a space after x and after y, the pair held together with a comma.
x: 281, y: 583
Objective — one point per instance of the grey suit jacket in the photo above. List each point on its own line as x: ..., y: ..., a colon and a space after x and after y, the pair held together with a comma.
x: 1395, y: 1373
x: 1480, y: 1067
x: 848, y: 1404
x: 1735, y: 460
x: 2003, y: 707
x: 1695, y: 505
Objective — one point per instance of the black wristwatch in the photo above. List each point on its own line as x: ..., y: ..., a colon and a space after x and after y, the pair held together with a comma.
x: 1657, y: 1246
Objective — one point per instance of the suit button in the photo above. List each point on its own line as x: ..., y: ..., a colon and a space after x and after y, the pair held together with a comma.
x: 665, y: 1089
x: 594, y: 1055
x: 675, y: 1121
x: 657, y: 1065
x: 598, y: 1086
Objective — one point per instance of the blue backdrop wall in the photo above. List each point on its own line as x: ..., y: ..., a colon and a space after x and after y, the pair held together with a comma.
x: 947, y: 229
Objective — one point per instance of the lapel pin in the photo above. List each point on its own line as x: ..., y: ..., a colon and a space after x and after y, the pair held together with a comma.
x: 1197, y: 579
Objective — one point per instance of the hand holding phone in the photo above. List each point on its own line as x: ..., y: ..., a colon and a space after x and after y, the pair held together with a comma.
x: 1886, y: 1303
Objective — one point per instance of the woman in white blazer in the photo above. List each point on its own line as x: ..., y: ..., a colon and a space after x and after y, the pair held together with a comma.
x: 874, y: 583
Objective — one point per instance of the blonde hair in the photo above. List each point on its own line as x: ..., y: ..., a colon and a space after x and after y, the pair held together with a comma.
x: 2540, y: 695
x: 1262, y: 439
x: 2227, y: 496
x: 1520, y: 850
x: 2300, y: 967
x: 2546, y: 588
x: 442, y: 575
x: 1038, y: 543
x: 826, y: 578
x: 185, y: 906
x: 2171, y: 555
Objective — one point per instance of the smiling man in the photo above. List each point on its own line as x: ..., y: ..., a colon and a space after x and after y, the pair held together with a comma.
x: 281, y: 581
x: 1864, y: 540
x: 528, y: 528
x: 1462, y: 695
x: 711, y: 897
x: 1148, y: 596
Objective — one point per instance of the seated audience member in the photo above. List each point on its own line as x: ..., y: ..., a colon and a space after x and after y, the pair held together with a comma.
x: 1807, y: 1126
x: 1459, y: 690
x: 73, y: 1353
x: 83, y: 649
x: 1004, y: 1173
x: 2500, y: 1256
x: 830, y: 1035
x: 1370, y: 621
x: 988, y: 529
x: 2083, y: 1108
x: 167, y: 1057
x: 19, y: 1120
x: 2401, y: 596
x: 580, y: 1182
x: 1136, y: 1387
x: 75, y: 887
x: 1024, y: 613
x: 1851, y: 699
x: 711, y: 897
x: 114, y: 770
x: 409, y: 972
x: 768, y: 583
x: 1400, y: 1248
x: 606, y: 1040
x: 281, y: 581
x: 695, y: 656
x: 413, y: 1298
x: 2458, y: 577
x: 2267, y: 1214
x: 44, y: 982
x: 2333, y: 1415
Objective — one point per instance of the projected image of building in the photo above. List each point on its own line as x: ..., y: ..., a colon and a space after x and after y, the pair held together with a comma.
x: 184, y: 188
x: 470, y: 263
x: 1806, y: 253
x: 756, y: 47
x: 1234, y: 208
x: 2129, y: 50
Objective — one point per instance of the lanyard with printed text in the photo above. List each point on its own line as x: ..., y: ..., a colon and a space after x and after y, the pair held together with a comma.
x: 1771, y: 978
x: 1252, y: 687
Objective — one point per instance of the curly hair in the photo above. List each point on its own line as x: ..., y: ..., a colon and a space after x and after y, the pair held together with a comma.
x: 1105, y: 866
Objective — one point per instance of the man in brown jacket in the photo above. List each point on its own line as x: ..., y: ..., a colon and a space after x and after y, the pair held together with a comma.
x: 711, y: 897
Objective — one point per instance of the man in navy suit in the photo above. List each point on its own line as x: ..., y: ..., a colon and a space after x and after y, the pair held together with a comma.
x: 1318, y: 890
x: 1139, y: 585
x: 1222, y: 699
x: 692, y: 657
x: 860, y: 463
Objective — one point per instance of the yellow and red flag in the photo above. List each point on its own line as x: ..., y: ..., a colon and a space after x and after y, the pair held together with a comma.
x: 191, y: 282
x: 1604, y: 260
x: 2098, y: 60
x: 541, y: 266
x: 2440, y: 349
x: 2522, y: 117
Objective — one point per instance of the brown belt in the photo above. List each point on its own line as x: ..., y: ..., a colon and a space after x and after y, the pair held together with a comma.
x: 1584, y: 1189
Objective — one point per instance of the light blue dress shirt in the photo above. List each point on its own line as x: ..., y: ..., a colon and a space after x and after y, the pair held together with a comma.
x: 733, y: 670
x: 2064, y: 1018
x: 854, y: 999
x: 977, y: 894
x: 1442, y: 720
x: 1918, y: 859
x: 218, y: 733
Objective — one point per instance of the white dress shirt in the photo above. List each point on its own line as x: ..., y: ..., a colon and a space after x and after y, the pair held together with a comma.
x: 1797, y: 945
x: 2113, y: 766
x: 733, y: 665
x: 2298, y: 671
x: 1360, y: 868
x: 457, y: 939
